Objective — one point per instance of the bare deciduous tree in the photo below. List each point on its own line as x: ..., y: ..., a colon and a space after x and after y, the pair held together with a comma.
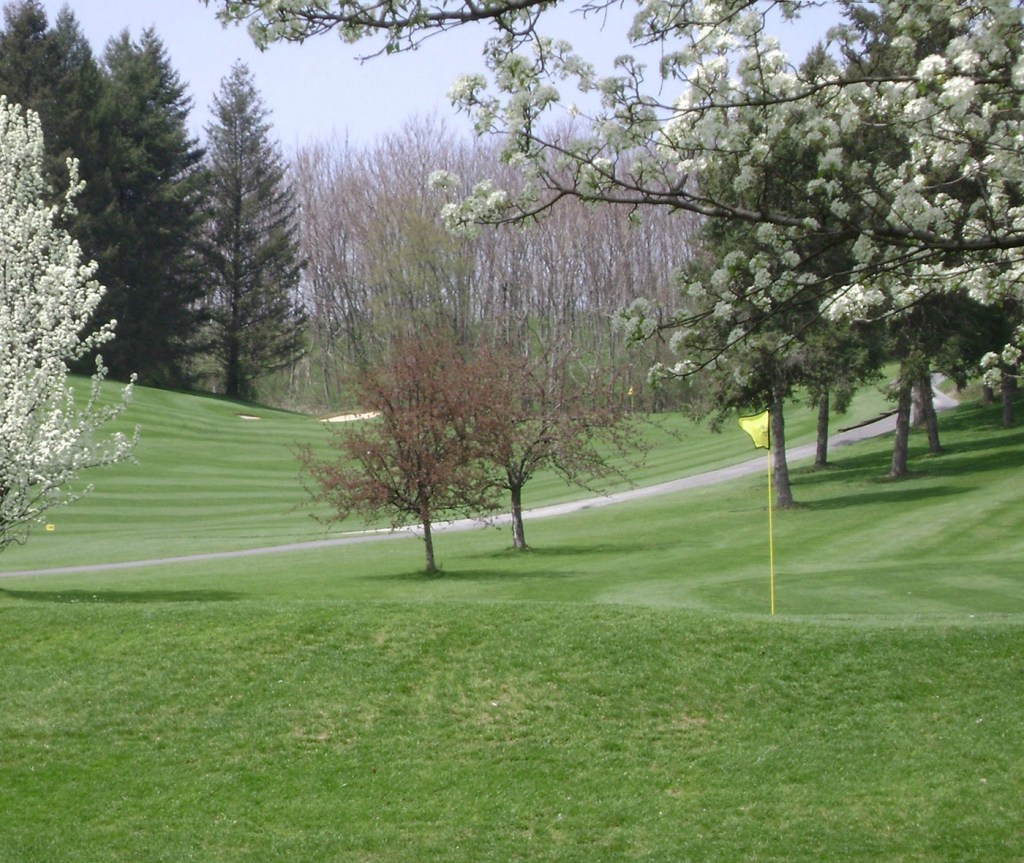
x: 379, y: 256
x: 547, y: 414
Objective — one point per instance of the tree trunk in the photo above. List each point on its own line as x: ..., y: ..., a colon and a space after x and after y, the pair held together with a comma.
x: 428, y: 547
x: 232, y: 369
x: 780, y: 470
x: 919, y: 397
x: 986, y: 395
x: 1008, y: 388
x: 821, y: 449
x: 901, y: 441
x: 518, y: 531
x: 931, y: 420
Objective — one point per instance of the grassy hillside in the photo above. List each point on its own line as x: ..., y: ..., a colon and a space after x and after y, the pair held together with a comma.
x: 216, y: 475
x: 617, y: 694
x: 205, y: 479
x: 943, y: 542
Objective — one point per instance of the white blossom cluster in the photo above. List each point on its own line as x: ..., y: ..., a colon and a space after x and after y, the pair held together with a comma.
x: 994, y: 366
x: 945, y: 215
x: 47, y: 299
x: 957, y: 113
x: 919, y: 166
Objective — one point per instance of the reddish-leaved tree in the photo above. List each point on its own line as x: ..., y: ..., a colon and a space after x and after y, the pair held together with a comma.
x: 421, y: 457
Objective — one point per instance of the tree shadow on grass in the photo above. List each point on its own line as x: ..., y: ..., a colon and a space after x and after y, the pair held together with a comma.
x: 902, y: 495
x: 974, y: 417
x: 977, y: 455
x: 959, y: 469
x: 561, y: 550
x: 468, y: 573
x: 115, y: 597
x: 479, y: 567
x: 482, y: 574
x: 958, y: 459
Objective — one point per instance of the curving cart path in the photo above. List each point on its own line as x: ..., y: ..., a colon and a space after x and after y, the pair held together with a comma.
x: 874, y: 428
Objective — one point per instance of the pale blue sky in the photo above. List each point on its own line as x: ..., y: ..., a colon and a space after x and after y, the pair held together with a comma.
x: 313, y: 90
x: 319, y: 89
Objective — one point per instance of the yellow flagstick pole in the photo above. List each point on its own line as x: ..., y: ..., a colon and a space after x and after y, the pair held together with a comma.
x: 759, y: 429
x: 771, y: 535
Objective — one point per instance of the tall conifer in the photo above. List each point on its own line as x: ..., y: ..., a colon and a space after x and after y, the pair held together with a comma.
x: 148, y: 233
x: 53, y: 72
x: 28, y: 58
x: 254, y: 267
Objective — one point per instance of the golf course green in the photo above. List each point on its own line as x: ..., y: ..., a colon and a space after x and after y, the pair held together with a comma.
x: 619, y: 692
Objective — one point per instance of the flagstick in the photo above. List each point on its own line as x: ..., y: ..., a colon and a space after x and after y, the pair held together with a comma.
x: 771, y: 534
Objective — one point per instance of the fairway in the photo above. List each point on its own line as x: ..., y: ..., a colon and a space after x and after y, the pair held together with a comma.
x: 214, y: 475
x: 619, y: 692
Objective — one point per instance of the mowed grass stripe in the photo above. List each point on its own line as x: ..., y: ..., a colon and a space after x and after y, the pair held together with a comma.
x: 619, y: 693
x: 896, y: 551
x: 208, y: 480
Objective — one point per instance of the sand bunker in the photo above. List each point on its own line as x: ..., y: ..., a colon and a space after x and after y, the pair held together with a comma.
x: 348, y: 418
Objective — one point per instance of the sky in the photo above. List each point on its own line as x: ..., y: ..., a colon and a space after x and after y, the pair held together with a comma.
x: 314, y: 91
x: 319, y: 90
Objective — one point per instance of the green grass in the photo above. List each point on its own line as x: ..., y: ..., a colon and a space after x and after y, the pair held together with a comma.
x: 209, y: 481
x: 618, y: 693
x: 206, y: 479
x: 183, y: 728
x: 937, y: 544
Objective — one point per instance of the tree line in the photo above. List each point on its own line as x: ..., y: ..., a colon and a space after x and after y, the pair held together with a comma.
x: 220, y: 264
x: 224, y: 262
x: 196, y: 245
x: 380, y: 263
x: 860, y: 203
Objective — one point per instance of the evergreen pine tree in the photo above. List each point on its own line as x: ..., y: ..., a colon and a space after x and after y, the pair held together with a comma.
x: 73, y: 127
x: 147, y: 234
x: 28, y: 59
x: 52, y: 71
x: 254, y: 267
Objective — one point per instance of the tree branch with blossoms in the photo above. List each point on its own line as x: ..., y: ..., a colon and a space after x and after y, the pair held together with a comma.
x: 915, y: 124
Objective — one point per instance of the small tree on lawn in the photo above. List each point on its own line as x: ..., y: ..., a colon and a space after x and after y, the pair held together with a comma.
x: 420, y: 457
x: 546, y: 414
x: 47, y: 298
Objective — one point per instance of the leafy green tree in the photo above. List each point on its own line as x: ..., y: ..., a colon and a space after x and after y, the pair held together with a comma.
x: 47, y: 298
x: 1000, y: 370
x: 148, y: 213
x: 751, y: 349
x: 838, y: 358
x: 252, y: 251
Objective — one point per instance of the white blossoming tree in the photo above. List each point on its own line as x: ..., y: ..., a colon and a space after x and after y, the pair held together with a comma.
x: 917, y: 126
x: 47, y: 298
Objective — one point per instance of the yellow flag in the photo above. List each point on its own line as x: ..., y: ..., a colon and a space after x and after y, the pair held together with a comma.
x: 757, y: 428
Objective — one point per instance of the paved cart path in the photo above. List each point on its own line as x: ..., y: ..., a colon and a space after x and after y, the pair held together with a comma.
x: 880, y: 426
